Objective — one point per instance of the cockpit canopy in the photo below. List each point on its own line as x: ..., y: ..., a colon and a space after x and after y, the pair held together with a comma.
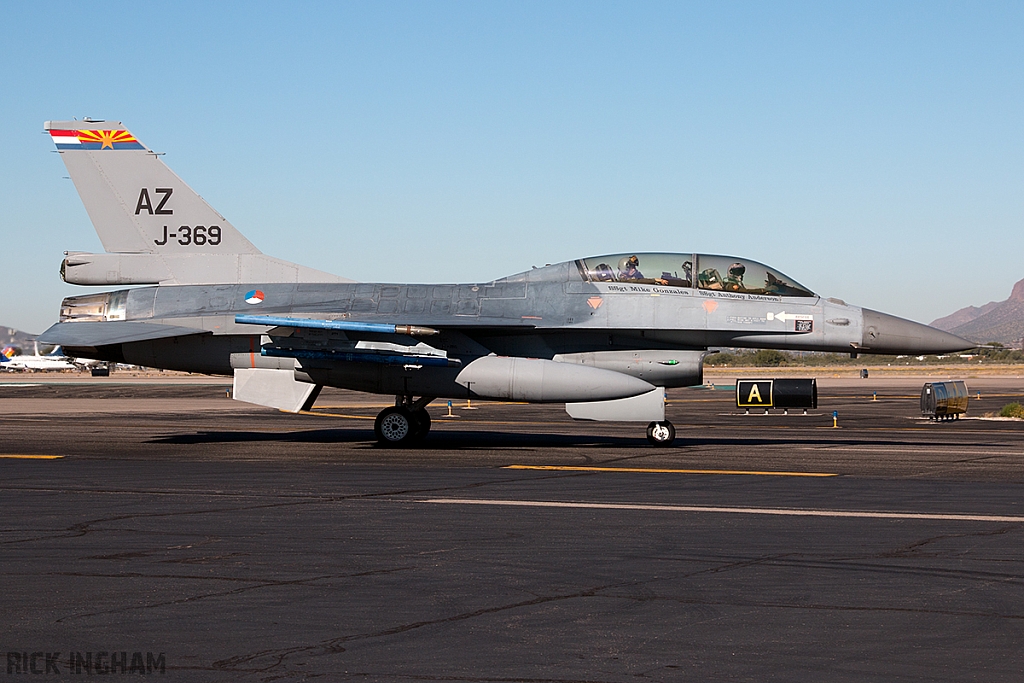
x: 723, y: 273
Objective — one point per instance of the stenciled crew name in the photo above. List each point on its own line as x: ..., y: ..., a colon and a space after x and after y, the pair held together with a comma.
x: 95, y: 662
x: 623, y: 288
x: 643, y: 289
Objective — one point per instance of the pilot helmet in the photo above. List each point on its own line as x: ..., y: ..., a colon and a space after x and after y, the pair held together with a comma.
x: 630, y: 262
x: 737, y: 270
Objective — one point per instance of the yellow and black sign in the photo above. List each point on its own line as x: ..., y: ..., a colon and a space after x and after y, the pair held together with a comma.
x: 754, y: 393
x: 776, y: 393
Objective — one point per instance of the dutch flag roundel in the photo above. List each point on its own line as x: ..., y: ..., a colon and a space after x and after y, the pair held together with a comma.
x: 254, y: 297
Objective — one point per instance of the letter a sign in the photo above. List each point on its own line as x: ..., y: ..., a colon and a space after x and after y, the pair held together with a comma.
x: 754, y: 393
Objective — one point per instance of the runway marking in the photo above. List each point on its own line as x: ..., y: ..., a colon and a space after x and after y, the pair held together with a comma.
x: 346, y: 417
x: 14, y: 456
x: 722, y: 399
x: 357, y: 406
x: 785, y: 512
x: 656, y: 470
x: 923, y: 450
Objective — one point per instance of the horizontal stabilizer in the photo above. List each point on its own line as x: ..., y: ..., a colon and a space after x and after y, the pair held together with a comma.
x: 103, y: 333
x: 201, y: 268
x: 274, y: 389
x: 649, y: 407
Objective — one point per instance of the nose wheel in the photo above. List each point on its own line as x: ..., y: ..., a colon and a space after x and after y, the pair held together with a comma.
x: 661, y: 433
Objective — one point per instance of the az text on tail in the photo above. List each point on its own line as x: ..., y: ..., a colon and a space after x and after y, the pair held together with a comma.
x: 154, y: 228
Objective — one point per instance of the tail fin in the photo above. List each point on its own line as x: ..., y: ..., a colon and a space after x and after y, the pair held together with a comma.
x: 131, y: 196
x: 140, y: 207
x: 7, y: 354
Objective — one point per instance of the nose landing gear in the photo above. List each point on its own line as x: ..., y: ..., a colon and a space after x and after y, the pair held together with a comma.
x: 661, y: 433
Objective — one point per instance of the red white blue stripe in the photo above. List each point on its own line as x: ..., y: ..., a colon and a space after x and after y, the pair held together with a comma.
x: 94, y: 139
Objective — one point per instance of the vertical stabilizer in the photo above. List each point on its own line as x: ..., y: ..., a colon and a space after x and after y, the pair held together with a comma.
x: 154, y: 227
x: 132, y: 197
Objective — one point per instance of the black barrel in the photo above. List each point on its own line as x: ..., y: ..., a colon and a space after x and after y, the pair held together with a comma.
x: 944, y: 400
x: 776, y: 393
x: 796, y: 393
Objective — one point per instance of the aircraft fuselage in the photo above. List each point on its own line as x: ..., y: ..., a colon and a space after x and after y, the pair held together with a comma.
x: 541, y: 313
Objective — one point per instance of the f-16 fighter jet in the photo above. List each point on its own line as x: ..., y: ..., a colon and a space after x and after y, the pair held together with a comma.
x: 605, y: 335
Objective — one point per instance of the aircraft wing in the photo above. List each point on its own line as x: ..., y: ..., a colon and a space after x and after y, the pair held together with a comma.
x: 111, y: 332
x: 94, y: 334
x: 367, y: 338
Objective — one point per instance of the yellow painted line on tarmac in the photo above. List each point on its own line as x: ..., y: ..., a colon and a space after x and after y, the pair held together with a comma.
x: 438, y: 404
x: 656, y: 470
x: 368, y: 406
x: 17, y: 456
x: 346, y: 417
x: 723, y: 399
x: 785, y: 512
x: 469, y: 421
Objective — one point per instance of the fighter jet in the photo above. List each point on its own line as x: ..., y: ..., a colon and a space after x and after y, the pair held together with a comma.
x: 605, y: 335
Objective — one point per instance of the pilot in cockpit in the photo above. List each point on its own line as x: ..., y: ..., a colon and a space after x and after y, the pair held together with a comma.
x: 734, y: 283
x: 629, y: 269
x: 677, y: 280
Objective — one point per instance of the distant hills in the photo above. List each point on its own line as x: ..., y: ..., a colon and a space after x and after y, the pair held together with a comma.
x: 12, y: 337
x: 996, y: 321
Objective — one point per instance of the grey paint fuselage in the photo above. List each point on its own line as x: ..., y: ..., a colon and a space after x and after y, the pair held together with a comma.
x: 540, y: 313
x: 595, y: 329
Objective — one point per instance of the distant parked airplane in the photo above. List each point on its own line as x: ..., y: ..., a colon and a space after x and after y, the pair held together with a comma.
x: 55, y: 360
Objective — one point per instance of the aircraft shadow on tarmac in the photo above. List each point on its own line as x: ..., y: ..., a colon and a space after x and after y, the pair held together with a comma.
x: 446, y: 440
x: 486, y: 439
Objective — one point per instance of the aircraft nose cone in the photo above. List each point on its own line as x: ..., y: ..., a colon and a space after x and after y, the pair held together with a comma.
x: 885, y: 333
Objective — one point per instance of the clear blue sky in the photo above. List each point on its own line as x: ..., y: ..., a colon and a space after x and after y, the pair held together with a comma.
x: 872, y: 151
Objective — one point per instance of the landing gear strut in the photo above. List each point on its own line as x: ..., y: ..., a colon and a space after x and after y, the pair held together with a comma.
x: 405, y: 423
x: 661, y: 433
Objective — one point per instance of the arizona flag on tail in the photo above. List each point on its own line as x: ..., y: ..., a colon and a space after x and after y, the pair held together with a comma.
x: 154, y: 228
x: 94, y: 139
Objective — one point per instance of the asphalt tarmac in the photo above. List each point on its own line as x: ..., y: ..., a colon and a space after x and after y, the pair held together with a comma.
x: 516, y: 545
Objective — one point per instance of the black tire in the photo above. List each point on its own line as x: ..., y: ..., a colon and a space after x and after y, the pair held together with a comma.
x: 661, y: 433
x: 395, y: 427
x: 422, y: 420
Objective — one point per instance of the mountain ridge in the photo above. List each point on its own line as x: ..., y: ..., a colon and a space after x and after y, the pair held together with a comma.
x: 996, y: 321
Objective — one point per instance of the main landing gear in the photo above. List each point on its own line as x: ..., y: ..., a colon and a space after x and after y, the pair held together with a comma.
x: 661, y: 433
x: 404, y: 424
x: 407, y: 422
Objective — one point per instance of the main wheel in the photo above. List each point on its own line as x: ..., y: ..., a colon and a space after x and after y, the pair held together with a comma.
x: 421, y: 418
x: 394, y: 426
x: 661, y: 433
